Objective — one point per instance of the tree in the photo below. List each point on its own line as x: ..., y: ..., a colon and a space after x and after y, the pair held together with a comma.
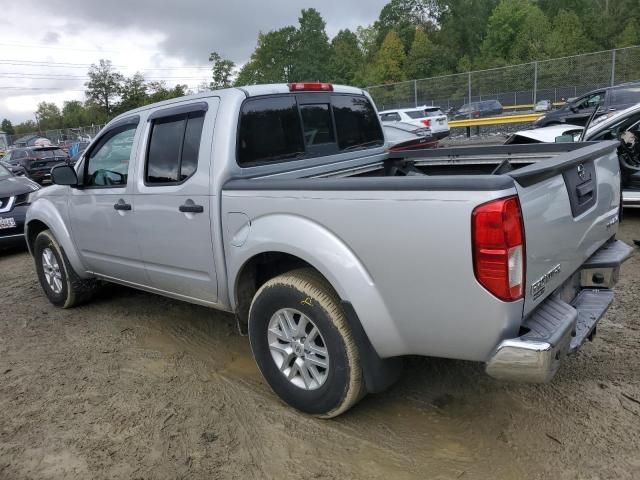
x: 404, y: 16
x: 516, y: 32
x: 7, y: 127
x: 311, y: 48
x: 567, y: 37
x: 421, y: 58
x: 158, y: 91
x: 272, y: 60
x: 26, y: 127
x: 133, y: 93
x: 346, y: 58
x: 389, y: 61
x: 222, y: 71
x: 104, y: 85
x: 630, y: 36
x: 463, y: 25
x: 48, y: 116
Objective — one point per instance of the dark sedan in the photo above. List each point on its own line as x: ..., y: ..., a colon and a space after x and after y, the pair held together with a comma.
x: 37, y: 161
x: 17, y: 170
x: 14, y: 201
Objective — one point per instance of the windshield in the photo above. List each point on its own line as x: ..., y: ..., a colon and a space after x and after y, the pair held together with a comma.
x: 49, y: 153
x: 4, y: 172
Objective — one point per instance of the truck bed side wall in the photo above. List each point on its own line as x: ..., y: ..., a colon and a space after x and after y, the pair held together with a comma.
x: 402, y: 258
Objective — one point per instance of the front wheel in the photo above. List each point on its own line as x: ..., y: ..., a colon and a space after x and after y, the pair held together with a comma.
x: 60, y: 283
x: 303, y: 345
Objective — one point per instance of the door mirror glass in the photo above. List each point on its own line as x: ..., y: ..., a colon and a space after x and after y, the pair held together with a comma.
x: 64, y: 175
x: 564, y: 139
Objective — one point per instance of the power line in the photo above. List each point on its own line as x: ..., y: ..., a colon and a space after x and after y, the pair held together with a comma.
x: 38, y: 63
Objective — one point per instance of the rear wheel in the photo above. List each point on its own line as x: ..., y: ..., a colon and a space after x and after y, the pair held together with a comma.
x: 60, y: 283
x: 303, y: 345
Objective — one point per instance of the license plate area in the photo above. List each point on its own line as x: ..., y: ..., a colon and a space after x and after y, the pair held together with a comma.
x: 7, y: 223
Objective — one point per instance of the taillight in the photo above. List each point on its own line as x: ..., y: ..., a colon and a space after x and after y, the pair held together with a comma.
x: 426, y: 122
x: 499, y: 248
x: 310, y: 87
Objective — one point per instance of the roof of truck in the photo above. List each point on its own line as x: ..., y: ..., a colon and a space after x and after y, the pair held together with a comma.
x: 248, y: 91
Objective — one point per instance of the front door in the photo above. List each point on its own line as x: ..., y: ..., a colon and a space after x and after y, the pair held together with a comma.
x: 103, y: 213
x: 174, y: 204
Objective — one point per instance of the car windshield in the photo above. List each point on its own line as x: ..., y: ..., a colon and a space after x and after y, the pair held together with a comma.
x: 49, y: 153
x: 4, y: 172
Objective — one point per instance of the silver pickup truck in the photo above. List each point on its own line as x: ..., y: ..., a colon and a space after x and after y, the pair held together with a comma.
x: 280, y: 204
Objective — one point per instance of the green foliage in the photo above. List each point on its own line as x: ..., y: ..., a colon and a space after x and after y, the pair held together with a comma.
x: 388, y: 65
x: 272, y: 60
x: 25, y: 127
x: 567, y: 37
x: 104, y: 85
x: 422, y: 55
x: 158, y: 92
x: 346, y: 58
x: 133, y: 93
x: 311, y: 48
x: 516, y: 32
x: 221, y: 71
x: 403, y: 16
x: 7, y: 127
x: 630, y: 36
x: 463, y: 25
x: 48, y: 116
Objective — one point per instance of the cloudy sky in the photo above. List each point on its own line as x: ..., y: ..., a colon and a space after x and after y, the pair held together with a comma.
x: 46, y: 46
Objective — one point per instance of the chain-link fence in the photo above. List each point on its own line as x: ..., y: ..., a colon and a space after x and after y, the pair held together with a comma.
x: 56, y: 137
x: 517, y: 86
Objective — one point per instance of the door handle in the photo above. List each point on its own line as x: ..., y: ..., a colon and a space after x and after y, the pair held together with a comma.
x: 191, y: 208
x: 122, y: 206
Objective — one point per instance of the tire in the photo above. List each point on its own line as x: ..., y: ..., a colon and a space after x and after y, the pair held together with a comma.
x: 325, y: 392
x: 67, y: 289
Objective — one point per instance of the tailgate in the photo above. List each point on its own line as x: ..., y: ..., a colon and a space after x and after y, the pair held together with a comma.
x: 570, y: 208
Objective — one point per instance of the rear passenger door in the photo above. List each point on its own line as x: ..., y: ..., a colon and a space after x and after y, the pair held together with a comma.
x: 173, y: 201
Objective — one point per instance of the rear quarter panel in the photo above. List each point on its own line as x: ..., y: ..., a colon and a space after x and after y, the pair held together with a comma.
x: 402, y: 258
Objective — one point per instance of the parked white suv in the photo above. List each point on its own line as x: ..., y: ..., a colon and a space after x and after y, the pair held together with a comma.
x: 424, y: 116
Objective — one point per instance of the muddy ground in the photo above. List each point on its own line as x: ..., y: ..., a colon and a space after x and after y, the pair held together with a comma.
x: 135, y: 386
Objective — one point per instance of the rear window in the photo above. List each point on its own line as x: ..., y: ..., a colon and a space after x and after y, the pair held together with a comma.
x: 621, y: 96
x: 49, y: 153
x: 430, y: 112
x: 356, y: 122
x: 275, y: 129
x: 269, y: 131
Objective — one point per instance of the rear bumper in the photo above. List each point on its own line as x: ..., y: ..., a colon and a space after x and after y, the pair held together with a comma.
x: 630, y: 198
x: 558, y: 327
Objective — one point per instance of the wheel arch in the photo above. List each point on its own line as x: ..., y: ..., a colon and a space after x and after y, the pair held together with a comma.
x: 43, y: 215
x: 305, y: 243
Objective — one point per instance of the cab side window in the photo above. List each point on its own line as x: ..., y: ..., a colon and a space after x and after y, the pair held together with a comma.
x: 107, y: 165
x: 172, y: 156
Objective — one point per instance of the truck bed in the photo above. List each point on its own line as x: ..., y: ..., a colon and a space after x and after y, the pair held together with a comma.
x: 410, y: 236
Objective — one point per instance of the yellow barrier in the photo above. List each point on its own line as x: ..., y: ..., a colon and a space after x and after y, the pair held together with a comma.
x: 476, y: 122
x: 529, y: 106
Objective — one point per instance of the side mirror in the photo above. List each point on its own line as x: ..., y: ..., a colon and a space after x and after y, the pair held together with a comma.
x: 564, y: 139
x: 64, y: 175
x: 573, y: 108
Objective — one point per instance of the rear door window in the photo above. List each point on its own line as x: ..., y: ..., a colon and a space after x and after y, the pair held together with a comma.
x: 172, y: 155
